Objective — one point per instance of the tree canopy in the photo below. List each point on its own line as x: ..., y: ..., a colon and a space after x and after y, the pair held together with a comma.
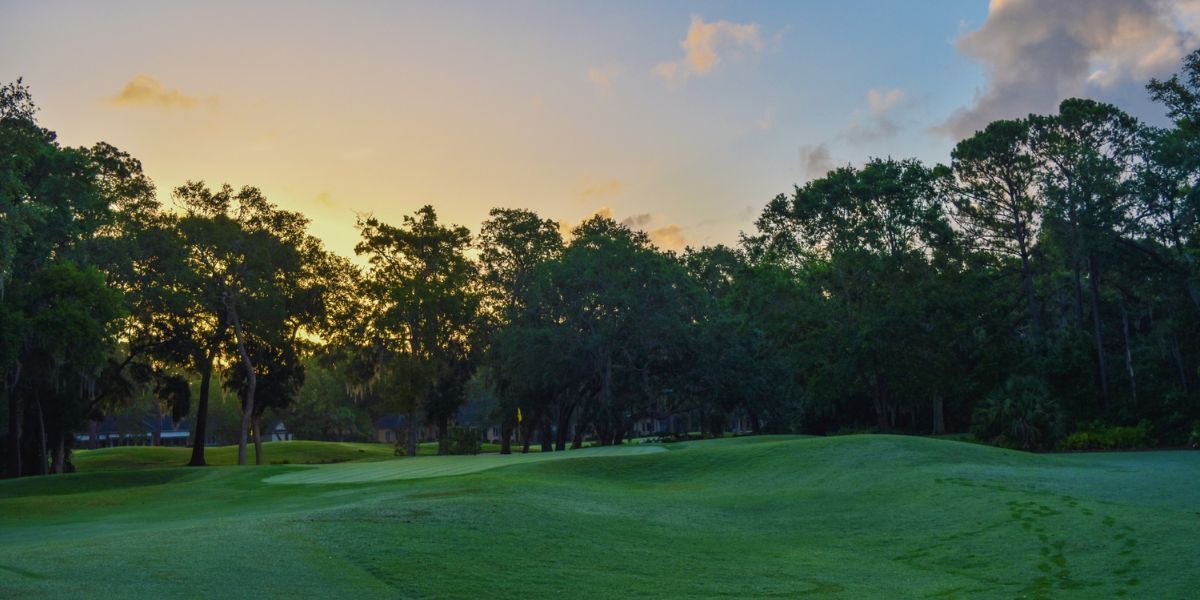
x: 1043, y: 282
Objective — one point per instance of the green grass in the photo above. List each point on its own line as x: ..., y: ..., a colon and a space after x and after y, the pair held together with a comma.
x: 441, y: 466
x: 848, y: 517
x: 122, y: 458
x: 296, y: 452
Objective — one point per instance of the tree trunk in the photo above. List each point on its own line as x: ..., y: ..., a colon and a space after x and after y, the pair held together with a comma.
x: 443, y: 427
x: 411, y: 442
x: 1128, y: 354
x: 506, y: 432
x: 939, y: 419
x: 93, y: 434
x: 251, y: 382
x: 60, y: 454
x: 526, y: 436
x: 258, y: 448
x: 716, y: 425
x: 1035, y: 316
x: 1101, y: 363
x: 564, y: 425
x: 1183, y: 379
x: 13, y: 468
x: 880, y: 397
x: 157, y: 439
x: 1078, y: 296
x: 42, y: 443
x: 199, y: 432
x: 546, y: 437
x: 580, y: 429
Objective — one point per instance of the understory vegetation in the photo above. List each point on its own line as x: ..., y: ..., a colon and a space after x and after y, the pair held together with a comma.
x: 1042, y: 291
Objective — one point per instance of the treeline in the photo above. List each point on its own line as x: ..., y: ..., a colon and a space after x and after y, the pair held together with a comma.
x: 1045, y: 282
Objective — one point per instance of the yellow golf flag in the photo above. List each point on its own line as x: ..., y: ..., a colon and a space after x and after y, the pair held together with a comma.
x: 518, y: 414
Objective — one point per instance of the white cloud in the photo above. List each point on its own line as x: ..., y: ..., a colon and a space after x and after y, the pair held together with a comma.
x: 669, y: 237
x: 704, y: 45
x: 602, y: 78
x: 590, y: 189
x: 882, y: 101
x: 815, y: 161
x: 144, y: 90
x: 637, y: 221
x: 1035, y: 54
x: 878, y: 123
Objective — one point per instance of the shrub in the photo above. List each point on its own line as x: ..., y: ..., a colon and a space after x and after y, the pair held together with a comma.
x: 1098, y: 436
x: 464, y: 440
x: 670, y: 438
x: 400, y: 448
x: 1020, y: 414
x: 1194, y: 438
x: 854, y: 430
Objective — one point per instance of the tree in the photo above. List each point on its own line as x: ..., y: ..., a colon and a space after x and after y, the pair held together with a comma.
x: 514, y: 246
x: 255, y: 279
x: 278, y: 375
x: 56, y: 310
x: 996, y: 200
x: 619, y: 313
x: 1087, y: 151
x: 423, y: 300
x: 864, y: 238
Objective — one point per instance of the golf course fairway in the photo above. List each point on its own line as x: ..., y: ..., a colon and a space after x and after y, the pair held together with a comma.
x: 837, y: 517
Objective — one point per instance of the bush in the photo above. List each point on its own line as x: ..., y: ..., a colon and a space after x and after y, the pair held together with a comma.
x: 1194, y: 438
x: 670, y: 438
x: 1021, y: 414
x: 854, y: 430
x: 400, y: 448
x: 464, y: 440
x: 1098, y: 436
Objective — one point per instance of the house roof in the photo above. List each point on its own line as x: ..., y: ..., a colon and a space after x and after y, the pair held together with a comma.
x: 393, y: 422
x: 110, y: 426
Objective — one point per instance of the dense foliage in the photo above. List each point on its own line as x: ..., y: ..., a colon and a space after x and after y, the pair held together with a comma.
x: 1045, y: 284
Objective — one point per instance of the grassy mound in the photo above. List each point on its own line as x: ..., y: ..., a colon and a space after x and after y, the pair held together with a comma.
x: 441, y: 466
x: 852, y: 517
x: 123, y: 458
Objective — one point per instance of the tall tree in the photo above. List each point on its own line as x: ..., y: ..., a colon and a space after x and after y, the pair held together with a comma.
x: 865, y: 236
x: 1087, y: 152
x: 255, y: 279
x: 996, y: 200
x: 423, y: 299
x: 57, y: 312
x: 515, y: 245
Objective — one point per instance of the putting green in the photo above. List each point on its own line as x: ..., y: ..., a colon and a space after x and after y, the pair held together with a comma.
x: 423, y: 467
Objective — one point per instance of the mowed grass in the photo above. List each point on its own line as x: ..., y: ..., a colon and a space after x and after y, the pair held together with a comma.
x: 843, y: 517
x: 293, y: 452
x: 121, y: 458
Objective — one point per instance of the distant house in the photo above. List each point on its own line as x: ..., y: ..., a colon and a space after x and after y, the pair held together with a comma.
x: 276, y: 432
x: 113, y: 431
x: 660, y: 425
x: 146, y: 431
x: 684, y: 423
x: 390, y: 428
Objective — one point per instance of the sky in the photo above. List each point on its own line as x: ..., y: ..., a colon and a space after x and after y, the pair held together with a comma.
x: 679, y: 118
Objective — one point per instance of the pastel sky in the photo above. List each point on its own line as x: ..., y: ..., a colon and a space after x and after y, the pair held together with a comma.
x: 681, y: 118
